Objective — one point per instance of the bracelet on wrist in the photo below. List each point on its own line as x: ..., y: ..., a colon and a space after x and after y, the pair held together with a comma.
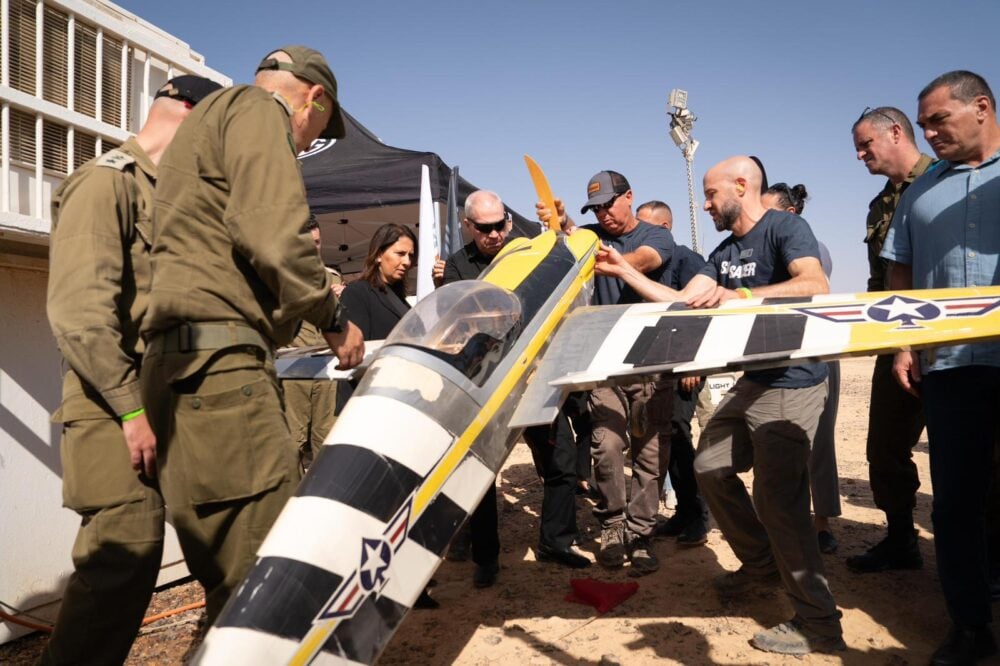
x: 744, y: 292
x: 131, y: 415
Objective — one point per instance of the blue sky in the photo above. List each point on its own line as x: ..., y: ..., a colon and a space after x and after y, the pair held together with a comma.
x: 582, y: 86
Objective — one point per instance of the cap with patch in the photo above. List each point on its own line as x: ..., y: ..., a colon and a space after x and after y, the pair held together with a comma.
x: 188, y: 88
x: 603, y: 187
x: 310, y: 65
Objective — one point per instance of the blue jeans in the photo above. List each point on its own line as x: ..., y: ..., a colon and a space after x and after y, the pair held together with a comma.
x: 962, y: 408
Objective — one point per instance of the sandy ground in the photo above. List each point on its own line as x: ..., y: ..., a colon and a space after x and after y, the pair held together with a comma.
x: 675, y: 617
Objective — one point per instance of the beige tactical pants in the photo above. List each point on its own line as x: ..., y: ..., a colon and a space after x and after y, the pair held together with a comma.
x: 636, y: 416
x: 117, y: 552
x: 227, y: 461
x: 309, y: 407
x: 769, y: 430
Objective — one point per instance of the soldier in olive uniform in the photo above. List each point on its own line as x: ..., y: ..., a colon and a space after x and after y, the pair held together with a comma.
x: 311, y: 404
x: 97, y: 296
x: 884, y: 140
x: 233, y: 274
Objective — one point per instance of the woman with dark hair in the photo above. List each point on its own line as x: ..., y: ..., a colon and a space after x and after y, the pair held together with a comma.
x: 823, y: 479
x: 376, y: 301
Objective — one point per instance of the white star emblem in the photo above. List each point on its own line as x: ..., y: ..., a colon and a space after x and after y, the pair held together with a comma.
x: 373, y: 565
x: 900, y: 309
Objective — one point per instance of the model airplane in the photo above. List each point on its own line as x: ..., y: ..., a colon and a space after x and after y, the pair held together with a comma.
x: 443, y: 401
x: 407, y: 461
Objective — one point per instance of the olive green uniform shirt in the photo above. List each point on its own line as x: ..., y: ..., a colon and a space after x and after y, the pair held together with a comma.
x: 228, y: 239
x: 99, y: 280
x: 880, y: 212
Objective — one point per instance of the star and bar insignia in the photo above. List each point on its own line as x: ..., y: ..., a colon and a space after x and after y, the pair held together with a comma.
x: 373, y: 570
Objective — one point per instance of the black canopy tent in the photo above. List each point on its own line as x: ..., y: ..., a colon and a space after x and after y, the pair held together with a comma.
x: 358, y: 183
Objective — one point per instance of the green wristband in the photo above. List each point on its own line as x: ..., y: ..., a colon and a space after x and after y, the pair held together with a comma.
x: 744, y: 292
x: 132, y: 415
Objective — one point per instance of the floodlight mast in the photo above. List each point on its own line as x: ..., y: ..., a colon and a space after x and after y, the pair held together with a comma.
x: 681, y: 124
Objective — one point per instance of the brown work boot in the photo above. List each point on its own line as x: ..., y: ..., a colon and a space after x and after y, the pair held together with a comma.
x: 612, y: 553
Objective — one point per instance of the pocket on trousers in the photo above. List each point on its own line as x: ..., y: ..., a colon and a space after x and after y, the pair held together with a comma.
x: 97, y: 470
x: 234, y: 441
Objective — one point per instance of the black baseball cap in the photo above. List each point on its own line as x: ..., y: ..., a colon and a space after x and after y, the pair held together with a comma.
x: 188, y: 88
x: 603, y: 187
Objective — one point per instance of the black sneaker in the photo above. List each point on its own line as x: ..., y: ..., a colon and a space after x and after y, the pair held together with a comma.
x: 695, y: 534
x: 669, y: 527
x: 570, y: 557
x: 827, y: 542
x: 641, y: 555
x: 888, y: 554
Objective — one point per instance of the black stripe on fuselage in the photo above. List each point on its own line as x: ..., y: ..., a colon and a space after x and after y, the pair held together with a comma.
x: 362, y: 637
x: 361, y: 479
x: 671, y: 340
x: 280, y: 596
x: 539, y: 285
x: 774, y: 333
x: 438, y: 524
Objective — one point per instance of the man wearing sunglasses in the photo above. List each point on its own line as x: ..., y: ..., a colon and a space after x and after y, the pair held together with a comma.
x: 489, y: 224
x: 554, y: 449
x: 636, y: 416
x: 884, y: 141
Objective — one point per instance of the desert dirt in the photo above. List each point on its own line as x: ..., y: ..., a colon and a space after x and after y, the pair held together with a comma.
x: 674, y: 618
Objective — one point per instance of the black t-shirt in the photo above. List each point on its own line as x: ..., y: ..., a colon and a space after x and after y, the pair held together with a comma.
x: 759, y: 258
x: 466, y: 264
x: 612, y: 291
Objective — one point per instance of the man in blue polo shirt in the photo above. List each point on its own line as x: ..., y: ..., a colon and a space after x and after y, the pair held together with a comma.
x: 946, y: 233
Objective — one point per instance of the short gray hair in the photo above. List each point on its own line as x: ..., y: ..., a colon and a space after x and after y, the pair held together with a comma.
x: 883, y: 118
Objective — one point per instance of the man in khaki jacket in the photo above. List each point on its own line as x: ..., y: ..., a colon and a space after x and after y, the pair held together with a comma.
x: 97, y: 296
x: 233, y: 273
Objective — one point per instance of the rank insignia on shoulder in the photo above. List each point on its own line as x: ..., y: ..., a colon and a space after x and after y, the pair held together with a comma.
x: 116, y: 159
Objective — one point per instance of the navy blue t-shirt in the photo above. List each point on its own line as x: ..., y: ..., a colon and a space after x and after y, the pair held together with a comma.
x: 684, y: 265
x: 612, y: 291
x: 759, y: 258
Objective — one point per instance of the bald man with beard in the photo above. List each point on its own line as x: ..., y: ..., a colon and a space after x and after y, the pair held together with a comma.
x: 767, y: 420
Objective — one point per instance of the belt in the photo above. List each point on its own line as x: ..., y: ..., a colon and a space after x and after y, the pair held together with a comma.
x: 205, y: 336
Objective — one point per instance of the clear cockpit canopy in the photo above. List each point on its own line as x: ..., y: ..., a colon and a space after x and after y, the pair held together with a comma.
x: 470, y: 324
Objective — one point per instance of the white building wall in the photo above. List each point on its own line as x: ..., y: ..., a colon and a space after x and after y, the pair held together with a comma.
x: 36, y: 533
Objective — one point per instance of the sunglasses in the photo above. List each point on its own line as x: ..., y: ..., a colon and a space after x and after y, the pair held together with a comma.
x: 606, y: 205
x: 487, y: 228
x: 869, y: 111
